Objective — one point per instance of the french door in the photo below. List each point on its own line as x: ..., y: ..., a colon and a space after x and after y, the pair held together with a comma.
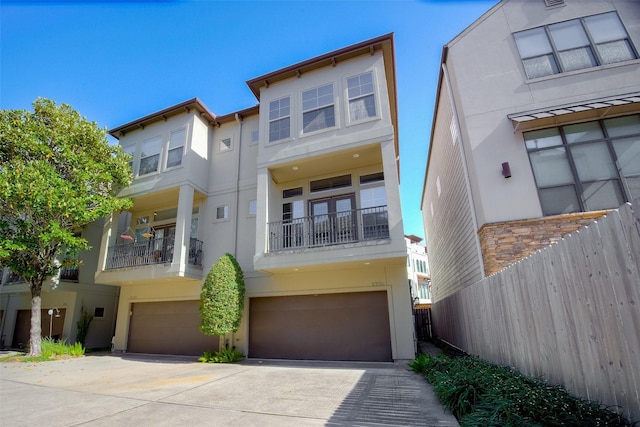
x: 333, y: 220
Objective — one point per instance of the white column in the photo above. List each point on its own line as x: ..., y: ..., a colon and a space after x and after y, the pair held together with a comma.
x: 183, y: 228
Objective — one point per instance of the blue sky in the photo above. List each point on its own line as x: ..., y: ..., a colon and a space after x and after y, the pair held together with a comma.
x: 117, y: 61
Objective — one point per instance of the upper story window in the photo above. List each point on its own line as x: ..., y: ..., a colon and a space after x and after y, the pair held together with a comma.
x: 586, y: 166
x: 279, y: 119
x: 176, y: 148
x: 131, y: 151
x: 318, y: 109
x: 225, y: 144
x: 574, y: 45
x: 150, y: 155
x: 362, y: 103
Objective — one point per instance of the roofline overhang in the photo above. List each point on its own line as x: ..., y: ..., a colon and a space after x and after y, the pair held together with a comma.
x: 184, y: 107
x: 384, y: 43
x: 436, y: 103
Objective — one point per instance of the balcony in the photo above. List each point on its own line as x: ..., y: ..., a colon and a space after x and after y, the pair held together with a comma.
x: 153, y: 251
x: 70, y: 274
x: 337, y: 228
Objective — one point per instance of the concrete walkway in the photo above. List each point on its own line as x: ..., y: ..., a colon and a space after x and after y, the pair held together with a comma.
x: 151, y: 390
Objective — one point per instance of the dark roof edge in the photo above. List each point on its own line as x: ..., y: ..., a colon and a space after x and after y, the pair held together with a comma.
x: 186, y: 106
x: 324, y: 60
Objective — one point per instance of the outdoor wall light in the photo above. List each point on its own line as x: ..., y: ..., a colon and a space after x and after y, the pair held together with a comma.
x: 506, y: 170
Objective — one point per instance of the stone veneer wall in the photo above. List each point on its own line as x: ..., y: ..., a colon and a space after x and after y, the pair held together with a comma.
x: 504, y: 243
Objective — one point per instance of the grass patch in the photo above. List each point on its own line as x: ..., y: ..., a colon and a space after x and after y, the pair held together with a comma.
x: 481, y: 394
x: 50, y: 350
x: 226, y: 355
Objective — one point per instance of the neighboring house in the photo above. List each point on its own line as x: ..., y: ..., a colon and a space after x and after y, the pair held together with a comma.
x: 302, y: 189
x: 418, y: 272
x: 536, y: 132
x: 76, y: 291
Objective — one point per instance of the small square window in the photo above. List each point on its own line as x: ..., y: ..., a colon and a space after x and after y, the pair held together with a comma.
x: 225, y: 144
x: 222, y: 212
x: 98, y: 312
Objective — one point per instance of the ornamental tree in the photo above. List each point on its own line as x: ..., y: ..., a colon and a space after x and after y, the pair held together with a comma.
x: 58, y: 173
x: 222, y: 297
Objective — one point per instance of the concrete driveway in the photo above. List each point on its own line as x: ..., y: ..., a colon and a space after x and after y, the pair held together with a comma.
x: 146, y: 390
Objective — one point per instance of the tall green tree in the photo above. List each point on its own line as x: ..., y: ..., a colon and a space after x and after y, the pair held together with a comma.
x: 58, y: 173
x: 222, y: 297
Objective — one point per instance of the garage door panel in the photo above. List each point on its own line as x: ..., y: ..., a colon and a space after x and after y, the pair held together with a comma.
x: 348, y: 326
x: 168, y: 327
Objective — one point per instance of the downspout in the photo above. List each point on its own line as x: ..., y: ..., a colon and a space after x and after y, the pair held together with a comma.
x: 239, y: 120
x: 235, y: 231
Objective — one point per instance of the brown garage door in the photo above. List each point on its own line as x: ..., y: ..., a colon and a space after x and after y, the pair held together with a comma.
x: 170, y: 327
x: 348, y: 326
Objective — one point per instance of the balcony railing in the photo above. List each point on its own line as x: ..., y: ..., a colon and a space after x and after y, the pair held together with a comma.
x: 70, y: 273
x: 330, y: 229
x: 152, y: 251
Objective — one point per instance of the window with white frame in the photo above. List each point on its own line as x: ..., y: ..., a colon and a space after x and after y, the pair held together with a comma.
x: 362, y: 103
x: 176, y: 148
x: 574, y: 45
x: 131, y: 151
x: 280, y: 119
x: 150, y: 155
x: 586, y: 166
x: 318, y: 109
x: 222, y: 212
x: 225, y: 144
x: 255, y: 136
x: 252, y: 207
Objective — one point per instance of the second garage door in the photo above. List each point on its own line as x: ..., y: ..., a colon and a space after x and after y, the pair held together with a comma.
x: 346, y: 326
x: 170, y: 327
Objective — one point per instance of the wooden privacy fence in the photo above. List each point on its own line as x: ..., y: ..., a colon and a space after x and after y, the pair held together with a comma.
x: 570, y: 313
x: 422, y: 322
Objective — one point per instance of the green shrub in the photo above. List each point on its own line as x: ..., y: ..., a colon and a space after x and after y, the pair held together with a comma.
x: 51, y: 348
x: 84, y: 320
x: 226, y: 355
x: 222, y: 297
x: 481, y: 394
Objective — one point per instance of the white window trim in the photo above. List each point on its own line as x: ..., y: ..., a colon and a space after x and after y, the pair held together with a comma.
x: 226, y: 213
x: 160, y: 156
x: 222, y: 147
x: 336, y: 110
x: 376, y: 100
x: 252, y: 141
x: 269, y: 121
x: 255, y: 207
x: 168, y: 148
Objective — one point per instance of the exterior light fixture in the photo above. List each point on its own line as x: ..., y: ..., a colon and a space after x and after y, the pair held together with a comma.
x: 506, y: 170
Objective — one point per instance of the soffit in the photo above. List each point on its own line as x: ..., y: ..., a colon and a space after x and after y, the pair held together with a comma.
x: 326, y: 165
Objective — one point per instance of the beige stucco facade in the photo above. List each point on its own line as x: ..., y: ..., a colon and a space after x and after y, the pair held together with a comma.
x: 485, y: 106
x: 235, y: 189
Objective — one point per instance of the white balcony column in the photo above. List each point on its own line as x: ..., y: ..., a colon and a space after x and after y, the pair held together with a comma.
x: 392, y: 183
x: 262, y: 211
x: 183, y: 227
x: 109, y: 236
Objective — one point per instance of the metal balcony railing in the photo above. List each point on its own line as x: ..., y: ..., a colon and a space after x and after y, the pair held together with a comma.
x: 148, y: 252
x: 330, y: 229
x: 70, y: 273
